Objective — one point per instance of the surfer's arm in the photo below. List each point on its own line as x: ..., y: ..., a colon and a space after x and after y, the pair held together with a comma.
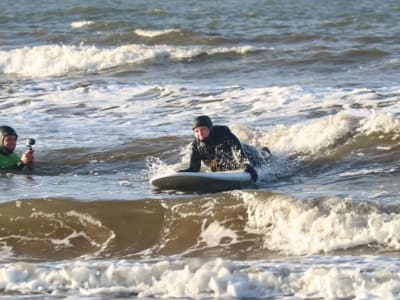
x: 237, y: 149
x: 195, y: 161
x: 248, y: 167
x: 236, y: 145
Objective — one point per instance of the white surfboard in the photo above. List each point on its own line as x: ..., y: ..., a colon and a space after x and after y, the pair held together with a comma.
x: 219, y: 181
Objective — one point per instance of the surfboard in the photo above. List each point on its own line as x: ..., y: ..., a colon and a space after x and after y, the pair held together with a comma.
x: 203, y: 181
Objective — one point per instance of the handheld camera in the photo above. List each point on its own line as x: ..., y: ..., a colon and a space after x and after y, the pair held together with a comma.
x: 29, y: 143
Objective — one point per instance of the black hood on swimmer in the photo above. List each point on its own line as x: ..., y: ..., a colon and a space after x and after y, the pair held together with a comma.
x: 203, y: 121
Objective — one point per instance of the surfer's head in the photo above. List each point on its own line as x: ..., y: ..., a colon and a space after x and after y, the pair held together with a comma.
x: 203, y: 121
x: 202, y: 127
x: 8, y: 138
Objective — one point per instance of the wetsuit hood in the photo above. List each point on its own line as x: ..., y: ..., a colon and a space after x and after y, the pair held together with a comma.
x: 203, y: 121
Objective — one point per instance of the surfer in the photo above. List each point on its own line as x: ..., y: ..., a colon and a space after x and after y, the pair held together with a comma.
x: 9, y: 160
x: 221, y: 150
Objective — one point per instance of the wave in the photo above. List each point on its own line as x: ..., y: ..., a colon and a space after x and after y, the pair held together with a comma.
x: 307, y: 278
x: 60, y: 60
x: 232, y: 224
x: 322, y: 136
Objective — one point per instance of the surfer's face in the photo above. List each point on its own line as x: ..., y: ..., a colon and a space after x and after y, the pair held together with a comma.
x: 9, y: 142
x: 201, y: 132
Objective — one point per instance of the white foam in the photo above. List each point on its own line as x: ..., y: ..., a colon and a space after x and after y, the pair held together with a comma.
x: 80, y: 24
x: 333, y: 283
x: 310, y: 137
x: 317, y: 136
x: 6, y: 251
x: 296, y: 227
x: 215, y: 278
x: 155, y: 33
x: 214, y: 234
x: 58, y: 60
x: 380, y: 122
x: 156, y: 166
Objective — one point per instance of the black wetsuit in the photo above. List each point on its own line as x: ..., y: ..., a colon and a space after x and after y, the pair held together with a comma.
x: 221, y: 151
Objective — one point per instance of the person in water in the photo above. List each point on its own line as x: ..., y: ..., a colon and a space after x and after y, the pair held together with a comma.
x: 218, y: 148
x: 9, y: 160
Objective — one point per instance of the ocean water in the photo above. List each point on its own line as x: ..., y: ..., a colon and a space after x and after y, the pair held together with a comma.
x: 109, y: 90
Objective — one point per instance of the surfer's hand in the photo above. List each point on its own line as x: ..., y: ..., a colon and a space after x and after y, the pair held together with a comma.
x: 252, y: 171
x: 27, y: 158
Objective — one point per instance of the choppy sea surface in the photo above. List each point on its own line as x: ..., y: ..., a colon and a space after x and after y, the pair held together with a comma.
x: 109, y: 90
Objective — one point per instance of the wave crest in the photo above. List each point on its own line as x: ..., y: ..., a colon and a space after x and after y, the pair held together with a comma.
x: 60, y: 60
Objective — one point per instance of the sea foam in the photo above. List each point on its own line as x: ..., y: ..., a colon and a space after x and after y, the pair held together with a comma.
x: 60, y: 60
x: 215, y: 278
x: 296, y: 227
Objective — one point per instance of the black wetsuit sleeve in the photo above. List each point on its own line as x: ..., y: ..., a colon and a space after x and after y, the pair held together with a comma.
x: 195, y: 160
x: 248, y: 167
x: 238, y: 145
x: 235, y: 144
